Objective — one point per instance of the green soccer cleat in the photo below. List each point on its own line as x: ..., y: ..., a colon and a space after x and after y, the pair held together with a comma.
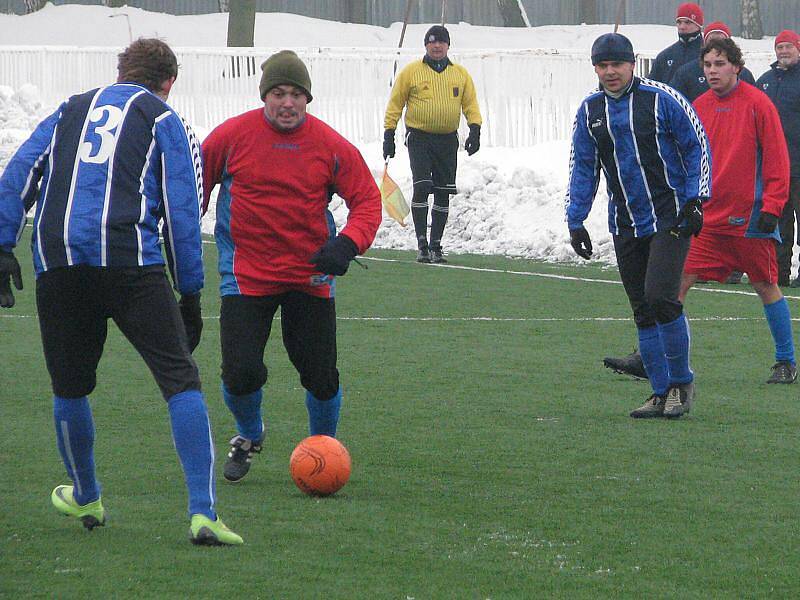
x: 91, y: 515
x: 205, y: 532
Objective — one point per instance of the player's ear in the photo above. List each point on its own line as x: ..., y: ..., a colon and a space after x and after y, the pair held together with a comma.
x: 166, y: 87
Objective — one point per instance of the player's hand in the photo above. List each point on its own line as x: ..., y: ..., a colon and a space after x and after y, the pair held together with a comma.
x: 766, y: 223
x: 9, y: 270
x: 388, y: 144
x: 192, y: 318
x: 581, y: 242
x: 335, y: 256
x: 690, y: 220
x: 473, y: 143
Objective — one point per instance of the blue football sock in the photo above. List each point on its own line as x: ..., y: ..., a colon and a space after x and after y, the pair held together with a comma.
x: 75, y: 435
x: 246, y: 409
x: 191, y: 431
x: 655, y: 363
x: 676, y: 339
x: 780, y: 324
x: 323, y: 415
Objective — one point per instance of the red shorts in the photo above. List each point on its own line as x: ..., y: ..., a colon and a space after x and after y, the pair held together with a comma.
x: 713, y: 256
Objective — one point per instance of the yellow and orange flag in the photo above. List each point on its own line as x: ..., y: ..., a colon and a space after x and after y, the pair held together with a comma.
x: 392, y: 198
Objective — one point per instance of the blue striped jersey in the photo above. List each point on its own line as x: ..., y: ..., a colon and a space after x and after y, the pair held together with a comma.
x: 653, y: 151
x: 105, y: 170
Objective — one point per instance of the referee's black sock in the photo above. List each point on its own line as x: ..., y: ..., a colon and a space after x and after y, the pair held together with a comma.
x: 439, y: 214
x: 419, y: 211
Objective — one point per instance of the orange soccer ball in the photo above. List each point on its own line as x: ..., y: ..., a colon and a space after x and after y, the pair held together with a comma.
x: 320, y: 465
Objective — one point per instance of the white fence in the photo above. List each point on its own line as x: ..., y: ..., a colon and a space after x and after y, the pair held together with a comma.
x: 526, y: 96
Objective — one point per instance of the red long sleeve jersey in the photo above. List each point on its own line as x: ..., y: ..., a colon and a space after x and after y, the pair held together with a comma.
x: 749, y: 160
x: 272, y: 209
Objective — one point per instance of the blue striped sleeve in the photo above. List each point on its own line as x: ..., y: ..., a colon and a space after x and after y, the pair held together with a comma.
x: 182, y: 194
x: 690, y: 135
x: 584, y: 171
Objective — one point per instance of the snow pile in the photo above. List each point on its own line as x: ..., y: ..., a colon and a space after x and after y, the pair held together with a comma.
x: 20, y: 112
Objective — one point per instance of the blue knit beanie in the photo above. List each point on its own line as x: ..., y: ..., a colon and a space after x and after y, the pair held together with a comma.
x: 612, y: 47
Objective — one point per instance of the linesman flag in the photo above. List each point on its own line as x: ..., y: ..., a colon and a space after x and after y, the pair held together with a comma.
x: 392, y: 198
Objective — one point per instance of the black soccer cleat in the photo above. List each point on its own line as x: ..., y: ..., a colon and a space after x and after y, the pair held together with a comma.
x: 240, y: 456
x: 629, y: 365
x: 783, y: 372
x: 735, y: 277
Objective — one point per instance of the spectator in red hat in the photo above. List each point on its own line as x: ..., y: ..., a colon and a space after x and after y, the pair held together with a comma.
x: 690, y: 80
x: 689, y: 21
x: 782, y: 84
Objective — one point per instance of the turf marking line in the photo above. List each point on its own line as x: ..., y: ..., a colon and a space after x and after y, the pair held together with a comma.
x: 478, y: 319
x: 552, y: 276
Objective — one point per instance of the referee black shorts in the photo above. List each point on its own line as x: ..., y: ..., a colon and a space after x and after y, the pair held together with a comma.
x: 74, y: 306
x: 433, y: 159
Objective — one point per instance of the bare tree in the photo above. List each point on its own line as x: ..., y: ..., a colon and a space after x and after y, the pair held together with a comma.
x: 33, y: 5
x: 587, y: 11
x: 356, y: 11
x: 511, y: 11
x: 115, y: 3
x: 224, y: 6
x: 752, y: 28
x: 241, y: 23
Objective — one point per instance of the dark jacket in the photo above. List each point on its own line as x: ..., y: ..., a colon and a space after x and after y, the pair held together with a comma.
x: 783, y: 88
x: 675, y: 56
x: 690, y: 80
x: 652, y: 148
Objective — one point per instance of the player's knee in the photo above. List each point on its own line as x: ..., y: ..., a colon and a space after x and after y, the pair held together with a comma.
x: 441, y: 202
x: 322, y: 386
x: 644, y: 317
x: 422, y: 189
x: 179, y: 379
x: 74, y: 389
x: 666, y: 310
x: 241, y: 380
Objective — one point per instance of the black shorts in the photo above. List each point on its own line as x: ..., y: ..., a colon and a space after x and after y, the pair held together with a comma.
x: 74, y: 306
x: 434, y: 158
x: 308, y: 325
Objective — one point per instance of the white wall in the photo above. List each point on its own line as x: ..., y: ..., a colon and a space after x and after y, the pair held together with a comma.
x: 526, y: 96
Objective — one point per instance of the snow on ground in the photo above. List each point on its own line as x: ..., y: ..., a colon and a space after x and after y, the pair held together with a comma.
x: 510, y: 200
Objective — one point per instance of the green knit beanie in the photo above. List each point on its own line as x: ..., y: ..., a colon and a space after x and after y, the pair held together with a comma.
x: 285, y: 67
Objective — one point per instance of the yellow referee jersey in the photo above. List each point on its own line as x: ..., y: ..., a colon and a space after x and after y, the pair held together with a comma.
x: 435, y: 100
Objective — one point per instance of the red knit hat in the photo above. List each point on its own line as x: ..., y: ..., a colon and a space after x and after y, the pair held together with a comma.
x: 690, y: 10
x: 716, y: 27
x: 787, y: 35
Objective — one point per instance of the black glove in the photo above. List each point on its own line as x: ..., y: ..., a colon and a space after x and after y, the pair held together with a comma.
x: 388, y: 144
x: 473, y: 143
x: 192, y: 318
x: 581, y: 242
x: 690, y: 220
x: 766, y: 223
x: 335, y: 256
x: 9, y: 269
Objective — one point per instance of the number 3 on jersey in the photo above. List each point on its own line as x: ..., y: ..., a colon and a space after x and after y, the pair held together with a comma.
x: 104, y: 146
